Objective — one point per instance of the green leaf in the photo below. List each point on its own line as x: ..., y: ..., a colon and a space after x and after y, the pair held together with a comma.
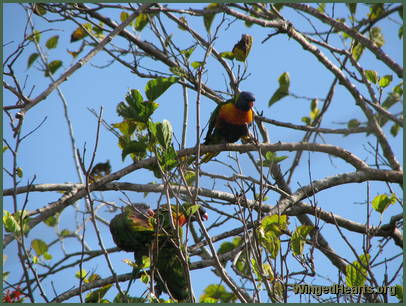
x: 35, y: 259
x: 271, y: 158
x: 127, y: 126
x: 283, y: 90
x: 306, y: 120
x: 123, y: 16
x: 52, y: 42
x: 119, y: 298
x: 398, y: 89
x: 214, y: 293
x: 181, y: 27
x: 158, y: 86
x: 10, y: 223
x: 47, y: 256
x: 376, y: 36
x: 400, y: 32
x: 140, y: 22
x: 313, y: 104
x: 352, y: 7
x: 5, y: 148
x: 135, y: 108
x: 144, y: 278
x: 394, y: 130
x: 227, y: 54
x: 321, y: 7
x: 39, y: 246
x: 65, y: 233
x: 385, y: 80
x: 52, y: 220
x: 353, y: 123
x: 53, y: 67
x: 208, y: 17
x: 138, y: 148
x: 357, y: 50
x: 35, y: 36
x: 188, y: 52
x: 196, y: 65
x: 371, y: 76
x: 276, y: 224
x: 298, y: 239
x: 375, y: 11
x: 178, y: 71
x: 314, y: 114
x: 97, y: 295
x: 190, y: 177
x: 271, y: 242
x: 381, y: 202
x: 164, y: 133
x: 355, y: 274
x: 32, y: 59
x: 80, y: 32
x: 399, y: 293
x: 81, y: 274
x: 226, y: 247
x: 38, y: 9
x: 19, y: 172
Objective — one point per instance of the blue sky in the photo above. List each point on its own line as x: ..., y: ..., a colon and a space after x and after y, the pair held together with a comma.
x: 47, y: 153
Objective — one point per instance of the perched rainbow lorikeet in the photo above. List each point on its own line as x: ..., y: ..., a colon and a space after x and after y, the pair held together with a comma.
x: 229, y: 121
x: 135, y: 230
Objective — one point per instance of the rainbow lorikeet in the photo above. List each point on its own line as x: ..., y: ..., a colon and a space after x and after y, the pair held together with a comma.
x: 136, y: 230
x: 229, y: 121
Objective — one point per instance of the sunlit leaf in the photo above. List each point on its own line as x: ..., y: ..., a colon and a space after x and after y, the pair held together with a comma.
x: 196, y: 65
x: 355, y: 273
x: 52, y: 220
x: 188, y: 52
x: 298, y: 239
x: 227, y: 54
x: 81, y: 274
x: 164, y: 133
x: 217, y: 293
x: 10, y: 223
x: 381, y: 202
x: 140, y: 22
x: 371, y: 76
x: 357, y: 50
x: 385, y: 80
x: 97, y: 295
x: 123, y: 16
x: 39, y: 246
x: 158, y: 86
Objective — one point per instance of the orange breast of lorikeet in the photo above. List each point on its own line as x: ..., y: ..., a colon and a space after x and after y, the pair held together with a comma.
x: 231, y: 114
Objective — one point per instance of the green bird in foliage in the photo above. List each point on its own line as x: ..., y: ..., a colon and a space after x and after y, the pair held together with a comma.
x: 229, y: 121
x: 146, y: 232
